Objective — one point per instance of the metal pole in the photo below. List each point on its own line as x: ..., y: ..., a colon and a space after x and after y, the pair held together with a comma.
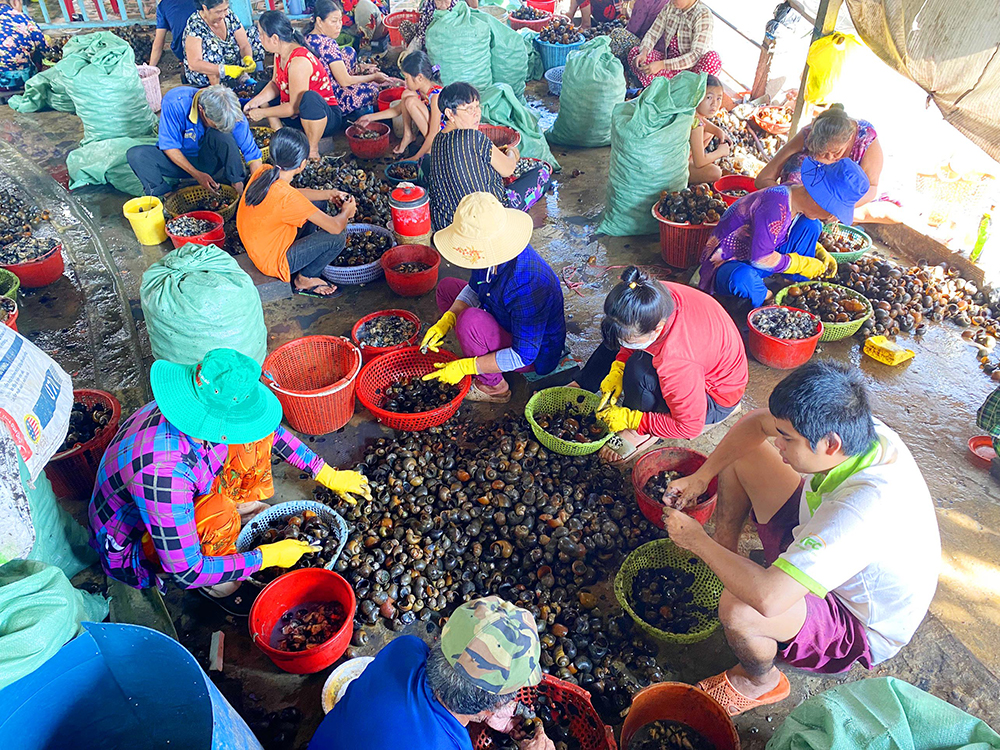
x: 826, y: 22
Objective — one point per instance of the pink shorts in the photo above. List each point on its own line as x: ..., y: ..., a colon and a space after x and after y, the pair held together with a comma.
x: 832, y: 639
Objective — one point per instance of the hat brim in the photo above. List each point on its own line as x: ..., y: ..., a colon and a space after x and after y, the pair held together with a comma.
x: 825, y: 198
x: 476, y: 253
x: 251, y: 420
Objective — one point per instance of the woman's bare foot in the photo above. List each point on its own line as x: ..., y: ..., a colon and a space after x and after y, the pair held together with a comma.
x: 313, y: 287
x: 314, y: 154
x: 404, y: 144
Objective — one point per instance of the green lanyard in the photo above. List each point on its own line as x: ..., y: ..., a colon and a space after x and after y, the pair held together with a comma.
x: 822, y: 484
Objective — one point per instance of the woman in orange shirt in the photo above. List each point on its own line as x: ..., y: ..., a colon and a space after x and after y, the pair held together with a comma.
x: 286, y: 231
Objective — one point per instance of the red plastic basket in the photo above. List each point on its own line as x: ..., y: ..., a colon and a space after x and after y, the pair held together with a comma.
x: 517, y: 23
x: 368, y: 148
x: 681, y: 244
x: 409, y: 362
x: 73, y: 472
x: 387, y: 96
x: 392, y: 21
x: 293, y: 589
x: 212, y: 237
x: 734, y: 182
x: 314, y: 379
x: 368, y: 353
x: 675, y: 701
x: 781, y: 354
x: 500, y: 135
x: 568, y: 701
x: 41, y: 271
x: 683, y: 460
x: 11, y: 322
x: 411, y: 284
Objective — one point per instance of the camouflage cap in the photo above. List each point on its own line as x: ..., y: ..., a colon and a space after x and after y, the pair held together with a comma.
x: 494, y: 644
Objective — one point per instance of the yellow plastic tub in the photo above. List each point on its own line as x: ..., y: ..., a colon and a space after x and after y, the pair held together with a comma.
x: 887, y: 352
x: 145, y: 214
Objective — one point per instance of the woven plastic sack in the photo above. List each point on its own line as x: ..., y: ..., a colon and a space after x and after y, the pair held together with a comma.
x: 104, y: 162
x: 104, y: 84
x: 39, y: 612
x: 650, y: 146
x: 459, y: 42
x: 502, y: 107
x: 46, y: 90
x: 881, y: 713
x: 536, y: 68
x: 508, y: 55
x: 196, y: 299
x: 592, y: 84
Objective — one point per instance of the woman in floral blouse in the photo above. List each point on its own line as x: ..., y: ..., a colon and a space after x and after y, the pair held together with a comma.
x: 217, y: 49
x: 21, y: 43
x: 353, y: 91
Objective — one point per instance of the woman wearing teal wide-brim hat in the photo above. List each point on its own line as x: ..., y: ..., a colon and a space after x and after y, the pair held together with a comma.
x: 188, y: 469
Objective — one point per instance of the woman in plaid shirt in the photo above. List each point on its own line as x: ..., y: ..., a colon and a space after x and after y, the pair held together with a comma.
x: 685, y: 29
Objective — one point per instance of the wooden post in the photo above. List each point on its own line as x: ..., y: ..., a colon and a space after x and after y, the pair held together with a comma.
x: 826, y: 22
x: 763, y: 68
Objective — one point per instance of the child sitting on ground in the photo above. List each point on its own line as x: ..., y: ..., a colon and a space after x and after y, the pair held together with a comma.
x: 702, y: 166
x: 419, y: 105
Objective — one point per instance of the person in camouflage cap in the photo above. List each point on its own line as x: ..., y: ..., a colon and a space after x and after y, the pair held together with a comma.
x: 494, y: 644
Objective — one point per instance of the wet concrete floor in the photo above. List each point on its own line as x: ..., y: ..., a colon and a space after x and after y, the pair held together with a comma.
x: 90, y: 321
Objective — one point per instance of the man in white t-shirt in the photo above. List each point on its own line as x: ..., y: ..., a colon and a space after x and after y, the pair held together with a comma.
x: 853, y: 548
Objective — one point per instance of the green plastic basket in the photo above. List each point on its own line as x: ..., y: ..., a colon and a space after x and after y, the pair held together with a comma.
x: 9, y: 284
x: 663, y: 553
x: 552, y: 400
x: 831, y: 331
x: 839, y: 230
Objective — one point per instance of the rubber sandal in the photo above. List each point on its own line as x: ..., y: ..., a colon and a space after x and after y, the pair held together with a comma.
x: 735, y: 703
x: 631, y: 446
x: 475, y: 394
x: 310, y: 293
x: 237, y: 603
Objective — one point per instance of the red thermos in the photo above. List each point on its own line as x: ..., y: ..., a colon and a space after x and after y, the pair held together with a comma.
x: 411, y: 214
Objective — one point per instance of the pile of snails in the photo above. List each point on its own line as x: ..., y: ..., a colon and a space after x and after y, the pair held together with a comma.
x: 85, y: 421
x: 27, y: 249
x: 17, y: 214
x: 138, y: 38
x: 785, y: 324
x: 663, y: 598
x: 386, y: 330
x: 668, y: 735
x: 306, y: 526
x: 842, y: 242
x: 370, y: 190
x: 527, y: 13
x: 404, y: 171
x: 411, y: 267
x: 363, y: 248
x: 698, y: 204
x: 571, y: 425
x: 603, y: 29
x: 560, y: 30
x: 829, y: 303
x: 415, y: 395
x: 308, y: 626
x: 7, y: 308
x: 188, y: 226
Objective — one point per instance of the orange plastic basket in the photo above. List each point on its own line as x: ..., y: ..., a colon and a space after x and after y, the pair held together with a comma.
x: 388, y: 369
x: 314, y: 379
x: 73, y: 472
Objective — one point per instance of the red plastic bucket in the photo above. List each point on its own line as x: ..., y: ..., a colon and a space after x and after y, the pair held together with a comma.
x: 314, y: 378
x: 41, y: 271
x: 392, y: 21
x: 681, y: 244
x: 549, y: 6
x: 11, y: 322
x: 734, y: 182
x: 214, y: 236
x: 368, y: 353
x: 368, y: 148
x: 73, y: 472
x: 675, y: 701
x: 293, y: 589
x: 781, y: 354
x: 683, y: 460
x: 411, y: 284
x: 387, y: 96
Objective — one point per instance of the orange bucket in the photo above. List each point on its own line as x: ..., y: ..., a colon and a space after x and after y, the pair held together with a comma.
x: 676, y: 701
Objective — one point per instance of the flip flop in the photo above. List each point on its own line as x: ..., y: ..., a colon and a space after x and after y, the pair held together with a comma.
x: 735, y: 703
x: 629, y: 444
x: 308, y: 292
x: 475, y: 394
x: 237, y: 603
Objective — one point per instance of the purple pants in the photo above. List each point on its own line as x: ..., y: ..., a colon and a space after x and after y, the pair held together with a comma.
x: 832, y: 639
x: 477, y: 331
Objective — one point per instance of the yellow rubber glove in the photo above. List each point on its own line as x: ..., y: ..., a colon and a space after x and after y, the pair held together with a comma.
x: 345, y: 483
x: 453, y: 372
x: 805, y: 266
x: 828, y: 260
x: 233, y: 71
x: 618, y: 418
x: 249, y: 64
x: 284, y: 554
x: 436, y: 333
x: 612, y: 386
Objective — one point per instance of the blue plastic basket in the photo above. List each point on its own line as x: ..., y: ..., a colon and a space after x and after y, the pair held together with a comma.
x: 251, y: 535
x: 554, y: 55
x: 358, y: 274
x: 554, y: 78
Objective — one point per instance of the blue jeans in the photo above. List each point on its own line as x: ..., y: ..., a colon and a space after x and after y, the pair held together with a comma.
x: 740, y: 279
x: 314, y: 250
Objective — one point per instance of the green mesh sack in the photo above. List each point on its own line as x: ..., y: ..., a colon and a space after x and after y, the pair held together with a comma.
x: 553, y: 400
x: 502, y: 107
x: 650, y: 145
x: 105, y: 162
x: 592, y: 84
x: 196, y: 299
x: 508, y: 54
x: 459, y: 42
x: 46, y: 90
x: 663, y: 553
x: 536, y: 68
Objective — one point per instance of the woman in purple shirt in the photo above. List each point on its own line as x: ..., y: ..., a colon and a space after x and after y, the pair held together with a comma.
x: 644, y: 12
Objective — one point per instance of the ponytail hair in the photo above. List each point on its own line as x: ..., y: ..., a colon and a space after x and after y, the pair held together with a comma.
x: 635, y: 307
x: 419, y: 64
x: 276, y: 23
x: 323, y: 8
x: 289, y: 148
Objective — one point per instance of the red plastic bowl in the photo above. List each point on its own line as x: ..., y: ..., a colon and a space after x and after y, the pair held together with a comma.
x: 11, y: 322
x: 387, y: 96
x: 541, y: 23
x: 368, y: 353
x: 411, y: 284
x: 683, y: 460
x: 981, y: 450
x: 392, y: 21
x: 293, y: 589
x: 368, y: 148
x: 41, y: 271
x: 781, y: 354
x: 734, y: 182
x: 214, y: 236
